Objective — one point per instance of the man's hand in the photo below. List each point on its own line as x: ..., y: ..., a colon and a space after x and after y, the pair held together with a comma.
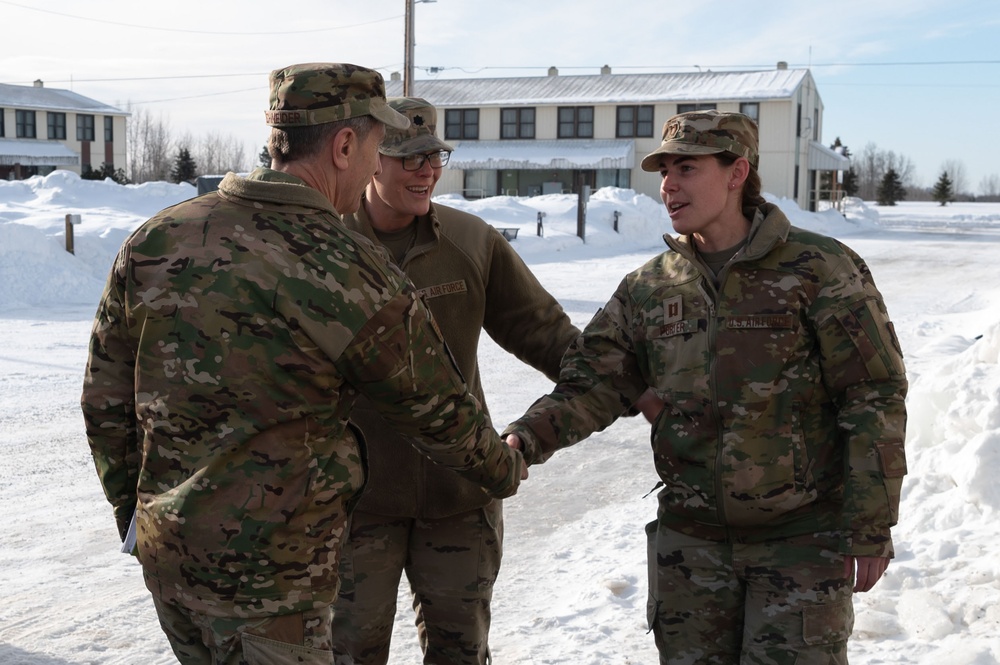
x: 869, y: 568
x: 514, y: 442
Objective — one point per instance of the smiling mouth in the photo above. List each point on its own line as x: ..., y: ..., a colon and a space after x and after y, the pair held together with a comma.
x: 674, y: 207
x: 418, y: 190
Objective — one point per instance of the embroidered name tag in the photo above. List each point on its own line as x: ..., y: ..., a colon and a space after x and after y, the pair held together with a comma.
x: 677, y: 328
x: 757, y: 321
x: 443, y: 289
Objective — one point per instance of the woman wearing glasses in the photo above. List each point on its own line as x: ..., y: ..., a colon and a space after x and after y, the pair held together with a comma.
x: 416, y: 516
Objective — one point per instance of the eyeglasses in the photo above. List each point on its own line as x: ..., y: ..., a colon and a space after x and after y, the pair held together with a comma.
x: 416, y: 162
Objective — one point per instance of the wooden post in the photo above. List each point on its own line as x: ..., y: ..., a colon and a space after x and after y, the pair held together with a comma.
x: 70, y: 221
x: 582, y: 195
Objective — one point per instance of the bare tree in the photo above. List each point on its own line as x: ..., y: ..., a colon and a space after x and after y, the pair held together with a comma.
x: 956, y: 173
x: 151, y: 148
x: 148, y: 146
x: 872, y: 163
x: 989, y: 187
x: 217, y: 153
x: 870, y: 170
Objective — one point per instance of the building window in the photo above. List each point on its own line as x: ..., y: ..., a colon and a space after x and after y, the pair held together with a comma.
x: 25, y: 121
x: 84, y: 127
x: 461, y: 124
x: 634, y: 122
x: 57, y: 126
x: 751, y: 110
x: 109, y: 129
x: 687, y: 108
x: 576, y: 122
x: 517, y: 123
x: 2, y: 130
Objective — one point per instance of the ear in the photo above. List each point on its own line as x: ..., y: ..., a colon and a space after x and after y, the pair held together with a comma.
x: 739, y: 173
x: 343, y: 148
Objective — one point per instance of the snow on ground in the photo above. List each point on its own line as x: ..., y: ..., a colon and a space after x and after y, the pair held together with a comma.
x: 573, y: 585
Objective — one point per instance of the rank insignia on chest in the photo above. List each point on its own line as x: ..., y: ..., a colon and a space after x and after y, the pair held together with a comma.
x: 672, y: 309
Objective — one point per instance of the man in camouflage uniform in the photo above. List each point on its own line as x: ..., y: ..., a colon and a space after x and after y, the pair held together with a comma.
x: 780, y: 441
x: 235, y: 334
x: 416, y: 516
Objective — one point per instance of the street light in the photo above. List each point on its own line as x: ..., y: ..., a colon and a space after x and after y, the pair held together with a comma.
x: 408, y: 49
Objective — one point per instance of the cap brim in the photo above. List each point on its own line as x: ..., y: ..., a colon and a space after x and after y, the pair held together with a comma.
x: 651, y: 162
x: 385, y: 113
x: 417, y: 145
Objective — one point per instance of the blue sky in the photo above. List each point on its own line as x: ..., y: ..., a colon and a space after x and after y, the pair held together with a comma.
x: 918, y: 77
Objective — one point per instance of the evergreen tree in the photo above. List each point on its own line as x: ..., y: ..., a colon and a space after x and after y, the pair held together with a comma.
x: 890, y: 189
x: 106, y: 171
x: 942, y: 189
x: 265, y: 157
x: 184, y: 169
x: 850, y: 184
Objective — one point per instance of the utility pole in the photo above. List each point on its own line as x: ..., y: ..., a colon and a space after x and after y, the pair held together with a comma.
x: 408, y: 48
x: 408, y: 52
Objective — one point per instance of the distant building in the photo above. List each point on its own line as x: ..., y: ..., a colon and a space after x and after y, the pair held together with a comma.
x: 42, y: 129
x: 549, y: 134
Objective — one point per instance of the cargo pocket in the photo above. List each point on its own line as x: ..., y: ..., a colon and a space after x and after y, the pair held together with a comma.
x: 259, y: 650
x: 490, y: 545
x: 829, y: 623
x: 652, y: 602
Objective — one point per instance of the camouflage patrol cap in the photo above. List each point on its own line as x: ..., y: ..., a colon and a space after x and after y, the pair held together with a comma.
x: 419, y: 138
x: 706, y: 133
x: 321, y: 92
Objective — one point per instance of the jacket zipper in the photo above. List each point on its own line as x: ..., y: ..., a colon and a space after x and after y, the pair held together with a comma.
x: 712, y: 329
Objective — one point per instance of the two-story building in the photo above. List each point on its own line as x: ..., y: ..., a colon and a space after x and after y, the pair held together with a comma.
x: 550, y: 134
x: 42, y: 129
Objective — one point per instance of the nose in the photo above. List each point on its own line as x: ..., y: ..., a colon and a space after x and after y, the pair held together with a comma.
x: 426, y: 168
x: 667, y: 183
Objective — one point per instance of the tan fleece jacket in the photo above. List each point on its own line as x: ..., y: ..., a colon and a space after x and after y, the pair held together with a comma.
x: 472, y: 280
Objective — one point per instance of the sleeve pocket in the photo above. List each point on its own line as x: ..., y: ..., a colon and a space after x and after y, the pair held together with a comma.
x: 892, y: 458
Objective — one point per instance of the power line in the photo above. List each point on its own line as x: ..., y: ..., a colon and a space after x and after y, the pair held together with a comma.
x: 197, y: 32
x: 721, y: 67
x: 439, y: 69
x: 207, y: 94
x: 126, y: 79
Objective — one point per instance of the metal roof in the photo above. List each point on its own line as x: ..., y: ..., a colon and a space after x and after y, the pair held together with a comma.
x: 54, y: 99
x: 32, y: 152
x: 822, y: 158
x: 608, y: 88
x: 554, y: 154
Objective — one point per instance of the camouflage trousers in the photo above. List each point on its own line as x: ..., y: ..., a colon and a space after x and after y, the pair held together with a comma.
x: 451, y: 564
x: 776, y: 603
x: 198, y: 639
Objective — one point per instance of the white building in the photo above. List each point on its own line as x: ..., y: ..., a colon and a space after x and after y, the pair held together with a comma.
x: 535, y: 135
x: 42, y: 129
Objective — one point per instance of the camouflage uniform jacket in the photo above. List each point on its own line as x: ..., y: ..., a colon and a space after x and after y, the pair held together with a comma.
x: 235, y: 333
x: 784, y: 390
x: 472, y: 279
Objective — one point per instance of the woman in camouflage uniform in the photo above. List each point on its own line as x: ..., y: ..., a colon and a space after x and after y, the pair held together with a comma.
x: 780, y: 442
